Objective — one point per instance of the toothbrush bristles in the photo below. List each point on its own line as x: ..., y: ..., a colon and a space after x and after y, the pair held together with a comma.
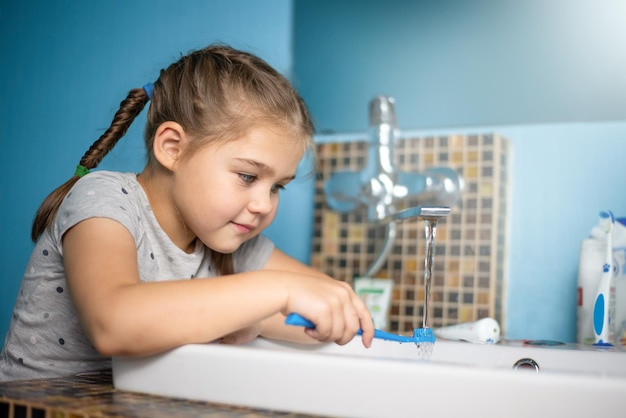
x: 423, y: 335
x: 425, y: 342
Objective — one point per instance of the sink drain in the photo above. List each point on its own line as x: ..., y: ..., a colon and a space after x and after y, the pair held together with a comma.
x: 526, y: 364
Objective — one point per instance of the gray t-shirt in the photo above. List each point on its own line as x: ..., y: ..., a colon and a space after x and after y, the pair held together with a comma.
x: 45, y: 338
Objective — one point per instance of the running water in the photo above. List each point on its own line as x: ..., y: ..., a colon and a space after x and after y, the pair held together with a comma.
x: 430, y: 231
x: 425, y: 349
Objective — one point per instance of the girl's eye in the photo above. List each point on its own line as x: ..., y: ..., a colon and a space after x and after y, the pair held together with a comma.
x: 247, y: 178
x: 277, y: 188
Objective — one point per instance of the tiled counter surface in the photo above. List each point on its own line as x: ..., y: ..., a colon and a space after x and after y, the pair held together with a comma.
x: 93, y: 395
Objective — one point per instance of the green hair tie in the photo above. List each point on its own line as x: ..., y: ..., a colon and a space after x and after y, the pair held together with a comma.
x: 81, y: 170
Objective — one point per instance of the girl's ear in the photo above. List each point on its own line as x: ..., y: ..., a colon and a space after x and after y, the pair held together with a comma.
x: 168, y: 143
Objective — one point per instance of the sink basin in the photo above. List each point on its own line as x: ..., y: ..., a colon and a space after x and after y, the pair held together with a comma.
x: 387, y: 379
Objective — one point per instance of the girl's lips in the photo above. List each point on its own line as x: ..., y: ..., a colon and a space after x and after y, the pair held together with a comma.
x: 243, y: 228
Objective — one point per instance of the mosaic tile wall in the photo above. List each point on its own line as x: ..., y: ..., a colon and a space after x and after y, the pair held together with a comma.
x: 469, y: 263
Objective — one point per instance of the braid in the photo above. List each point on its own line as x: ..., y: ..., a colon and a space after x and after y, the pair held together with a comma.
x: 130, y: 107
x: 124, y: 117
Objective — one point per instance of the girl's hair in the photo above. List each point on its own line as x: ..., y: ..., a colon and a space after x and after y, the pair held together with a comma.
x: 216, y: 94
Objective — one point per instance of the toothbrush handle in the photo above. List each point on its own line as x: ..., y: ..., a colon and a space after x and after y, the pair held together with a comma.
x: 300, y: 321
x: 383, y: 335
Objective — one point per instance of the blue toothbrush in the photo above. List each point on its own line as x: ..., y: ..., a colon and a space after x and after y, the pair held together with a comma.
x: 420, y: 335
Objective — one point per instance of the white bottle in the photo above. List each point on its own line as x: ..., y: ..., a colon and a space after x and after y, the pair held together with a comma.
x: 592, y: 253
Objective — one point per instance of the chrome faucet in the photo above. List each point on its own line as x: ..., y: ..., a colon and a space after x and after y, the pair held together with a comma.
x: 380, y: 186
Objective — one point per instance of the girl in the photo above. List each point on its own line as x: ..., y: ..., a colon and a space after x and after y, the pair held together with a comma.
x: 121, y: 261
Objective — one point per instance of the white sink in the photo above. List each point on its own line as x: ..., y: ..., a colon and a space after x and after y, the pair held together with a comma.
x: 387, y: 380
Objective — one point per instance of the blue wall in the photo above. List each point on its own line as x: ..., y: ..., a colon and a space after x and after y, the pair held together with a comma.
x: 462, y: 63
x: 547, y: 74
x: 66, y: 65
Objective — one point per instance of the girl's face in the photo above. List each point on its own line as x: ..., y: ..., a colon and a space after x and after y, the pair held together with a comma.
x: 228, y: 193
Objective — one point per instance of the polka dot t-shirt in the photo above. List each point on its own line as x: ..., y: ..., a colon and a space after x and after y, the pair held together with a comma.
x: 45, y: 338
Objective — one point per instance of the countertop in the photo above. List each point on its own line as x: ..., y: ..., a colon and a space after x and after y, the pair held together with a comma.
x: 93, y: 395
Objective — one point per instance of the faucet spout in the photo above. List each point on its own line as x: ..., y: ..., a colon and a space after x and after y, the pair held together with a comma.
x: 421, y: 212
x: 430, y: 215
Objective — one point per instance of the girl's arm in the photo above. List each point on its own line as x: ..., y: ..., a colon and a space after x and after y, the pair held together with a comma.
x: 123, y: 316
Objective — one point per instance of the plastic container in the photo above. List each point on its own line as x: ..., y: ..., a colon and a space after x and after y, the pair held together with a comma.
x: 377, y: 296
x: 483, y: 331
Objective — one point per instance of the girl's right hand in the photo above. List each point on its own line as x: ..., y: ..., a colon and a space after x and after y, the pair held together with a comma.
x: 335, y: 309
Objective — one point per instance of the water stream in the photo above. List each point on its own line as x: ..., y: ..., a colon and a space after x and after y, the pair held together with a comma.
x: 425, y: 349
x: 430, y: 231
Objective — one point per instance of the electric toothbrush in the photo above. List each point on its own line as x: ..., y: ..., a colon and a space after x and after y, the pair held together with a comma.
x: 602, y: 304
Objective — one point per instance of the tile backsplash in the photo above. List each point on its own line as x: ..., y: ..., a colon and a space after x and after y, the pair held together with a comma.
x: 469, y: 263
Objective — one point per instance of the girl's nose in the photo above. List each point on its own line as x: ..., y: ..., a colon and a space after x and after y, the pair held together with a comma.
x: 262, y: 203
